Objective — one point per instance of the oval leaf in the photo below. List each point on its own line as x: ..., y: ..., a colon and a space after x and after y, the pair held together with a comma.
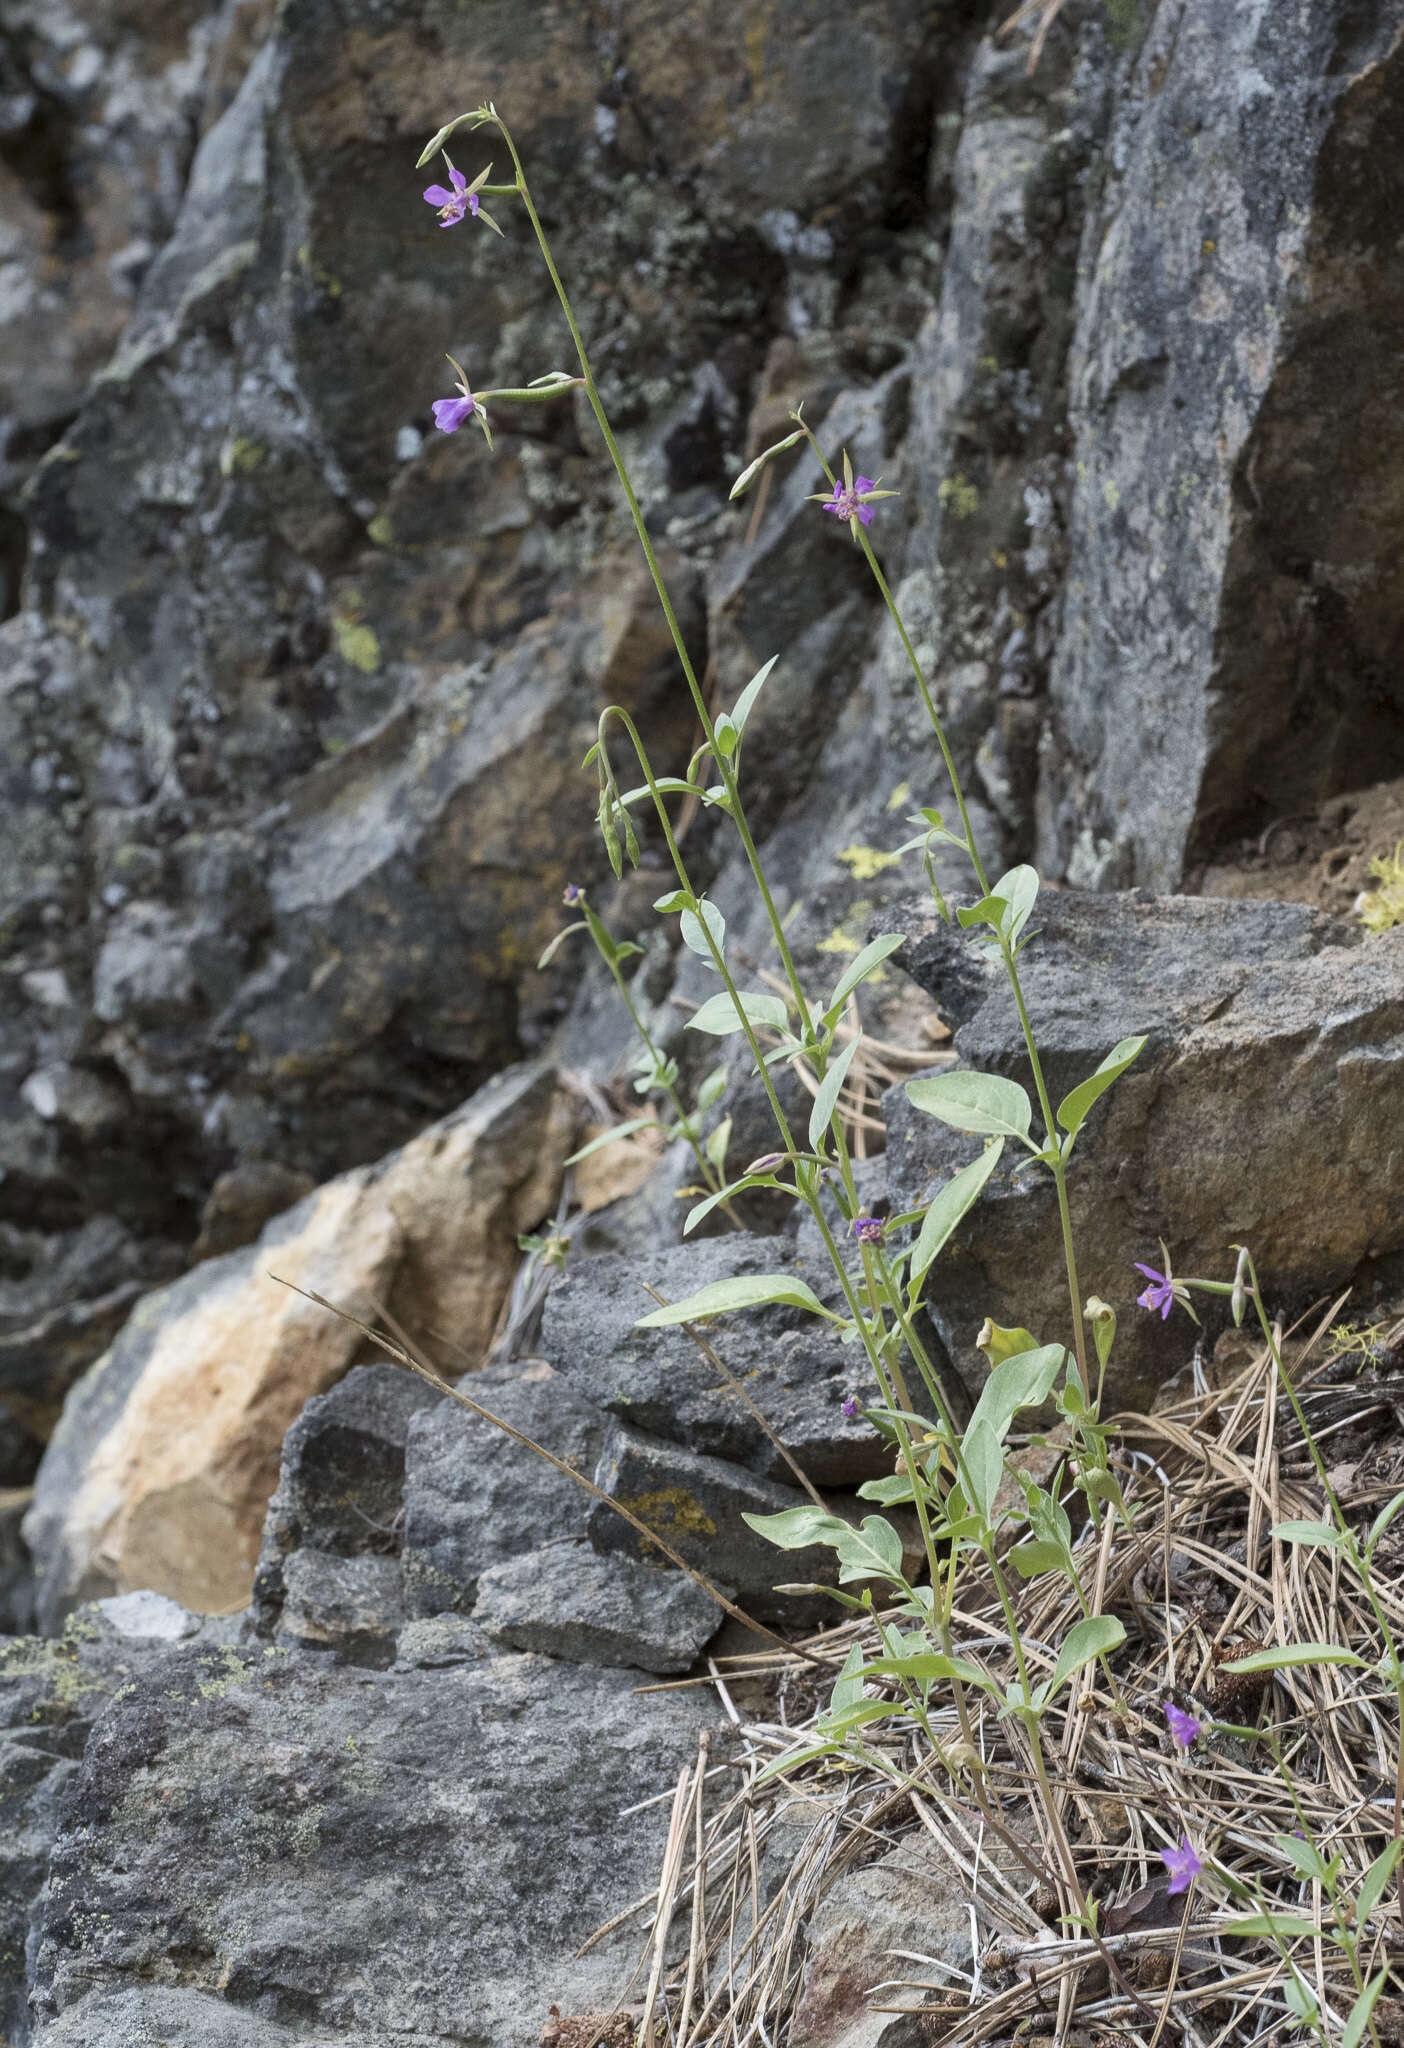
x: 968, y: 1101
x: 1022, y: 1382
x: 947, y: 1208
x: 753, y: 1290
x: 695, y: 938
x: 1095, y: 1637
x: 1073, y: 1108
x: 717, y: 1015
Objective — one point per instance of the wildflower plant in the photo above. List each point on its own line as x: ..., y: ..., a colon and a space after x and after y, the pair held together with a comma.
x: 973, y: 1510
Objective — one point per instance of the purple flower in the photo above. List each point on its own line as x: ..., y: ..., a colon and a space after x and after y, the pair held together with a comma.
x: 452, y: 205
x: 572, y: 895
x: 849, y: 500
x: 850, y: 1408
x: 1185, y: 1729
x: 450, y: 413
x: 868, y: 1229
x: 1160, y: 1294
x: 1183, y: 1864
x: 767, y: 1162
x: 846, y: 502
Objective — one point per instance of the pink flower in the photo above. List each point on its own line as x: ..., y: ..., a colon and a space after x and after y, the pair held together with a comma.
x: 1183, y: 1864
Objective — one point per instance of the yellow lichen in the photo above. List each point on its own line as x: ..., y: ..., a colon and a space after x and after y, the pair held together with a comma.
x: 863, y: 862
x: 958, y: 497
x: 1382, y: 907
x: 672, y: 1511
x: 239, y: 456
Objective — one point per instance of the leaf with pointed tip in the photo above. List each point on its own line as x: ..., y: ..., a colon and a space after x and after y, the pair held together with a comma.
x: 742, y: 1290
x: 971, y: 1101
x: 718, y: 1016
x: 826, y: 1099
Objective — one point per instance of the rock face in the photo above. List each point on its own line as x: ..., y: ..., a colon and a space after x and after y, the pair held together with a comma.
x: 1247, y: 1007
x: 235, y: 1805
x: 128, y: 1497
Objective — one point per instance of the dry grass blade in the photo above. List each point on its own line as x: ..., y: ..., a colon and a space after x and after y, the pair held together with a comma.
x: 1206, y: 1481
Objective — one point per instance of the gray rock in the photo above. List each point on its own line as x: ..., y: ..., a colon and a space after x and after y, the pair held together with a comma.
x: 695, y: 1504
x: 321, y: 1847
x: 911, y: 1900
x: 1247, y: 1007
x: 435, y: 1642
x: 474, y: 1497
x: 16, y: 1568
x: 567, y: 1601
x: 1234, y: 521
x: 659, y: 1381
x: 352, y: 1605
x: 167, y: 2016
x: 342, y: 1480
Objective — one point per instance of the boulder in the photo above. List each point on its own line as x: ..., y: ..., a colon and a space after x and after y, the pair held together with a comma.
x: 1265, y: 1022
x: 659, y: 1381
x: 567, y: 1601
x: 276, y: 1846
x: 476, y: 1498
x: 127, y: 1497
x: 696, y: 1503
x: 1229, y: 643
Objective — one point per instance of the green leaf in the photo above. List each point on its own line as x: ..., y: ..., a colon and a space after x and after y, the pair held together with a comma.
x: 797, y: 1528
x: 892, y: 1492
x: 717, y: 1015
x: 1375, y: 1880
x: 1285, y: 1925
x: 1025, y: 1381
x: 701, y: 1210
x: 1358, y: 2018
x: 1305, y: 1858
x: 741, y: 709
x: 859, y: 968
x: 999, y: 1344
x: 826, y: 1100
x: 754, y: 1290
x: 693, y: 935
x: 793, y: 1758
x: 873, y: 1551
x: 981, y: 1466
x: 1382, y: 1520
x: 848, y: 1686
x: 714, y: 1151
x: 1097, y: 1636
x: 1019, y: 889
x: 666, y: 785
x: 970, y: 1101
x: 712, y: 1088
x: 727, y: 737
x: 925, y: 1666
x: 1040, y: 1554
x: 948, y: 1207
x: 613, y: 1134
x: 1073, y: 1108
x: 1288, y: 1654
x: 857, y: 1716
x: 1318, y: 1534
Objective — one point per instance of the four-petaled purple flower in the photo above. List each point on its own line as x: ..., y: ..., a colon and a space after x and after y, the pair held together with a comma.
x: 450, y: 413
x: 868, y: 1229
x: 1183, y: 1864
x: 453, y: 205
x: 851, y: 500
x: 1185, y: 1729
x: 572, y: 895
x: 850, y: 1407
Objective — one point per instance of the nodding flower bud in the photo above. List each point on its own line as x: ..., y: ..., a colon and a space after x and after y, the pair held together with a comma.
x: 868, y: 1229
x: 767, y: 1162
x: 572, y: 895
x: 1238, y: 1300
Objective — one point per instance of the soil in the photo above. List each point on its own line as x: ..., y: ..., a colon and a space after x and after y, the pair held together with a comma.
x: 1320, y: 857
